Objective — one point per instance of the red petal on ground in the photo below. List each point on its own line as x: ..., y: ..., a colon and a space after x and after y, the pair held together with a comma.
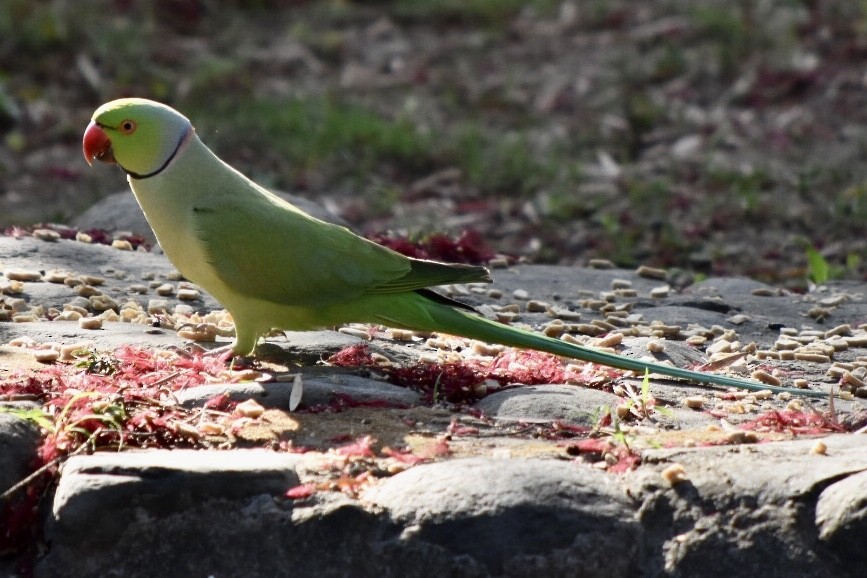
x: 404, y: 456
x: 222, y: 402
x: 794, y: 422
x: 456, y: 428
x: 360, y: 448
x: 527, y: 367
x: 301, y: 491
x: 352, y: 356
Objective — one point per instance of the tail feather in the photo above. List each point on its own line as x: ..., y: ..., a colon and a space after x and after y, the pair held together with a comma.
x: 474, y: 326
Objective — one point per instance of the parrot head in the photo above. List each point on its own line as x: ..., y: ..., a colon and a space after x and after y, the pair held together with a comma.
x: 141, y: 136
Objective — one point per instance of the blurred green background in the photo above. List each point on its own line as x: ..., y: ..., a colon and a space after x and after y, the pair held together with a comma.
x: 721, y: 137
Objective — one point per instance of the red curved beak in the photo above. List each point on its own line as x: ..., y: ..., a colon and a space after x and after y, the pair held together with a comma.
x: 96, y: 145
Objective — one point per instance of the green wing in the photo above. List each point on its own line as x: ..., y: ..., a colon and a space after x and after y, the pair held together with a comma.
x: 264, y: 247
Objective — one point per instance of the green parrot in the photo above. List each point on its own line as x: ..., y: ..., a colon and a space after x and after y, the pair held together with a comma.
x: 272, y: 266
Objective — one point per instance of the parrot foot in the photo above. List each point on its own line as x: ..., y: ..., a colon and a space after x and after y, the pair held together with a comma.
x: 225, y: 354
x: 242, y: 362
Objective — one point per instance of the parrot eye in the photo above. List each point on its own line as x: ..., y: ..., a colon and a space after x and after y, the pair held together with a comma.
x: 127, y: 126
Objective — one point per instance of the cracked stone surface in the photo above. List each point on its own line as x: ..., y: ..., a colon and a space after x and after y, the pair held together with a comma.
x: 506, y: 498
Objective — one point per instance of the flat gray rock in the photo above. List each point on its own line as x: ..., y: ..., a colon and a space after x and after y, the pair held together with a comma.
x: 109, y: 337
x: 676, y: 352
x: 509, y: 517
x: 18, y: 441
x: 315, y: 391
x: 747, y: 510
x: 547, y: 403
x: 841, y: 516
x: 113, y: 505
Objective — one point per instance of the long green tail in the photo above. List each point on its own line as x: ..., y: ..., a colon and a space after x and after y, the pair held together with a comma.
x: 467, y: 324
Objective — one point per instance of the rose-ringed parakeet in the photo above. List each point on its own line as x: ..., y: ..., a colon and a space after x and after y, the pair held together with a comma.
x: 272, y: 266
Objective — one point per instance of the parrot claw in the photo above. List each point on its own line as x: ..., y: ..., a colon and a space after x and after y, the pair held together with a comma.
x: 242, y: 362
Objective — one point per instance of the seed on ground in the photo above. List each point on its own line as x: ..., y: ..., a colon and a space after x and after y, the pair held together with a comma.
x: 603, y: 324
x: 46, y: 355
x: 536, y: 306
x: 506, y: 316
x: 12, y: 288
x: 102, y: 303
x: 69, y: 315
x: 694, y: 402
x: 819, y: 313
x: 600, y: 264
x: 610, y: 340
x: 23, y: 275
x: 24, y: 318
x: 835, y: 300
x: 486, y: 349
x: 554, y: 330
x: 594, y: 304
x: 660, y: 292
x: 110, y: 315
x: 857, y: 340
x: 719, y: 346
x: 156, y: 306
x: 352, y: 331
x: 819, y: 448
x: 569, y: 338
x: 87, y: 291
x: 250, y: 408
x: 201, y: 333
x: 589, y: 329
x: 56, y: 276
x: 656, y: 346
x: 401, y: 334
x: 651, y: 272
x: 188, y: 294
x: 674, y: 474
x: 851, y: 379
x: 840, y: 330
x: 46, y: 235
x: 165, y: 289
x: 122, y: 244
x: 814, y: 357
x: 499, y: 263
x: 617, y: 321
x: 563, y: 313
x: 520, y: 294
x: 621, y: 284
x: 90, y: 323
x: 742, y: 437
x: 765, y: 377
